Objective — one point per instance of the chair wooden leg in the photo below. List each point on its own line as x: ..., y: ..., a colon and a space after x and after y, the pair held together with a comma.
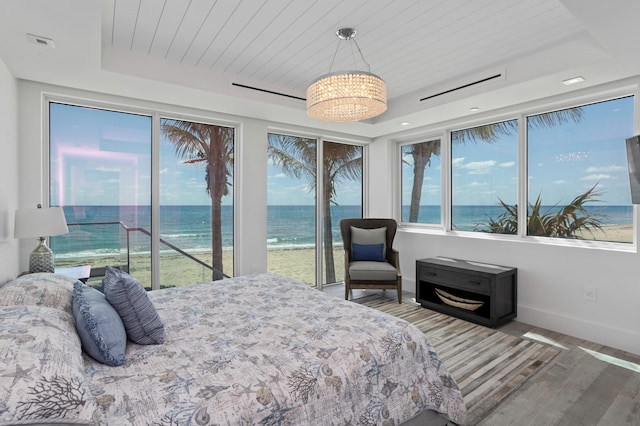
x: 346, y: 291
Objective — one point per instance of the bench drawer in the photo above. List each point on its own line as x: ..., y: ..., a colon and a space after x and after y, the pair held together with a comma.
x: 454, y: 279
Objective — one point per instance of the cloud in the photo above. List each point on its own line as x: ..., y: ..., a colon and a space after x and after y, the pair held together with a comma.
x: 597, y: 177
x: 474, y: 167
x: 457, y: 162
x: 611, y: 168
x: 476, y: 184
x: 480, y: 167
x: 114, y: 169
x: 560, y: 182
x: 507, y: 164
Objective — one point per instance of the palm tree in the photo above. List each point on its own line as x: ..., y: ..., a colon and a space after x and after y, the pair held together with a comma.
x: 212, y: 145
x: 570, y: 221
x: 297, y: 158
x: 421, y: 153
x: 489, y: 133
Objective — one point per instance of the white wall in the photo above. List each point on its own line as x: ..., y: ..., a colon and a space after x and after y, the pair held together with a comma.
x: 551, y: 276
x: 8, y: 174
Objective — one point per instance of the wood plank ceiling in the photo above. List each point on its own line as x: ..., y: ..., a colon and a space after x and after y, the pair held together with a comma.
x: 284, y: 45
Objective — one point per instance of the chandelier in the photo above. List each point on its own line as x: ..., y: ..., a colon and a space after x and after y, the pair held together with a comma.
x: 347, y: 95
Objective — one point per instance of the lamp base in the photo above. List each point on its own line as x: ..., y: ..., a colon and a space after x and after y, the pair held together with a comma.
x: 41, y: 259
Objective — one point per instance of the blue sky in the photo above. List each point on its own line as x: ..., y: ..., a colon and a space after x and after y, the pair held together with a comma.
x: 104, y: 160
x: 564, y: 161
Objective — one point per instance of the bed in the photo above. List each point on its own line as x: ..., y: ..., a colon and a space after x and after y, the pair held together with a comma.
x: 260, y: 349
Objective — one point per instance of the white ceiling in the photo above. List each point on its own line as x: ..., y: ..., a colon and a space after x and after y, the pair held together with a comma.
x: 157, y: 49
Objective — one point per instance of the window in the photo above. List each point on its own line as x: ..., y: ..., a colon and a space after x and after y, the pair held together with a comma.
x: 196, y: 201
x: 100, y: 170
x: 484, y: 178
x: 291, y: 205
x: 342, y: 198
x: 100, y: 165
x: 578, y: 185
x: 421, y: 182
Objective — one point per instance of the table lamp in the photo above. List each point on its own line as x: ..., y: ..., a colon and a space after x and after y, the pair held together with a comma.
x: 40, y: 223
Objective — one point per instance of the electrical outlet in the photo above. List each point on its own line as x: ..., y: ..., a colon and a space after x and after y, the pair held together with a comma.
x: 590, y: 293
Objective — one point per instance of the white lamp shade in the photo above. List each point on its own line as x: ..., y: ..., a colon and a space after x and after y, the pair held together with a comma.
x: 42, y: 222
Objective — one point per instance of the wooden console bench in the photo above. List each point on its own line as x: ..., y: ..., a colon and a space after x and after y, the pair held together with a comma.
x: 494, y: 285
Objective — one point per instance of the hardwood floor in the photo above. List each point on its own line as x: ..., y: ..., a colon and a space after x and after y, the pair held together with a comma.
x: 586, y: 384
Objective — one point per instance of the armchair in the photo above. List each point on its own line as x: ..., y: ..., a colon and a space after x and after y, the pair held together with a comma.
x: 370, y: 262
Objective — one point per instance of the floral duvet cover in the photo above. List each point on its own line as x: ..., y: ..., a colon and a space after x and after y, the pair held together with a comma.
x: 267, y: 350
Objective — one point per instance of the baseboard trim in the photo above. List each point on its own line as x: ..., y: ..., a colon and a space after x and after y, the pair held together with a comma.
x: 626, y: 340
x: 623, y: 339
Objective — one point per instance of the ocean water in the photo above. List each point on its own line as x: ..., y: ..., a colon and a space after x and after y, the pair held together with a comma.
x: 189, y: 227
x: 467, y: 218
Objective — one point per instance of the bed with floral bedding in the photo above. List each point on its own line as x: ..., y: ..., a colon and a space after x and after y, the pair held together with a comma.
x: 259, y: 349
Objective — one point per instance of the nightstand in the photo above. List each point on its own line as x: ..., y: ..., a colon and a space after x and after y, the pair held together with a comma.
x: 81, y: 273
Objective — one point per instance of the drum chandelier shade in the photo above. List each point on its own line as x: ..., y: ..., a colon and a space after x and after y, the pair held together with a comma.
x: 347, y: 95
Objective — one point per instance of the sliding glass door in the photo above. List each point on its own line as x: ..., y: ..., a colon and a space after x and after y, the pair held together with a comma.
x: 294, y: 205
x: 100, y: 173
x: 291, y: 207
x: 196, y: 201
x: 342, y: 198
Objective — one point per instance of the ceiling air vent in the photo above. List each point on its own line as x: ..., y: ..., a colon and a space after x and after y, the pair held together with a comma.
x: 41, y: 41
x: 271, y: 92
x: 464, y: 86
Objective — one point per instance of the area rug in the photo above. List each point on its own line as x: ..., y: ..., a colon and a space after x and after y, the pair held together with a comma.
x: 488, y: 365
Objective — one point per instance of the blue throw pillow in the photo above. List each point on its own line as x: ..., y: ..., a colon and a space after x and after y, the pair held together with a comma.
x: 99, y: 326
x: 367, y: 252
x: 132, y: 302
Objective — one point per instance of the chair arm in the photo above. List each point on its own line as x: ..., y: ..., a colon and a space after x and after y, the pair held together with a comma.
x: 394, y: 259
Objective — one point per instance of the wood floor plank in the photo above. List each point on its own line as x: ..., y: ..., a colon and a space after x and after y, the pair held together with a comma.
x: 575, y: 387
x: 625, y: 408
x: 594, y: 401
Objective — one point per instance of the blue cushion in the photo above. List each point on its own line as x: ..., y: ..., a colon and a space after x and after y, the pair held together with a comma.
x: 99, y: 326
x: 367, y: 252
x: 132, y: 302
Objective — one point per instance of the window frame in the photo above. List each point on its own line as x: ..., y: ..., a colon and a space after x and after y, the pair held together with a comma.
x: 444, y: 138
x: 450, y: 176
x: 156, y: 112
x: 519, y: 112
x: 320, y: 139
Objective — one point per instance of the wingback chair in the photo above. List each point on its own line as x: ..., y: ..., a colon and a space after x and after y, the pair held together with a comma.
x: 370, y: 262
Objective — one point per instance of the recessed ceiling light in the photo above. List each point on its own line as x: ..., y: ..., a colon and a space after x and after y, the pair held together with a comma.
x: 474, y: 109
x: 573, y: 80
x: 405, y: 123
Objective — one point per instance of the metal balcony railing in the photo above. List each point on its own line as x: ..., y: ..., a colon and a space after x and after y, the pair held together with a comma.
x: 100, y: 271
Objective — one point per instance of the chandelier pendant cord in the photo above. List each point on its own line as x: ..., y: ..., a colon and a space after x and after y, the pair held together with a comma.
x: 361, y: 55
x: 352, y: 54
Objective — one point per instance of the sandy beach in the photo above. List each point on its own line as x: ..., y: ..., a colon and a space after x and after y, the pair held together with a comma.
x: 611, y: 233
x: 177, y: 270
